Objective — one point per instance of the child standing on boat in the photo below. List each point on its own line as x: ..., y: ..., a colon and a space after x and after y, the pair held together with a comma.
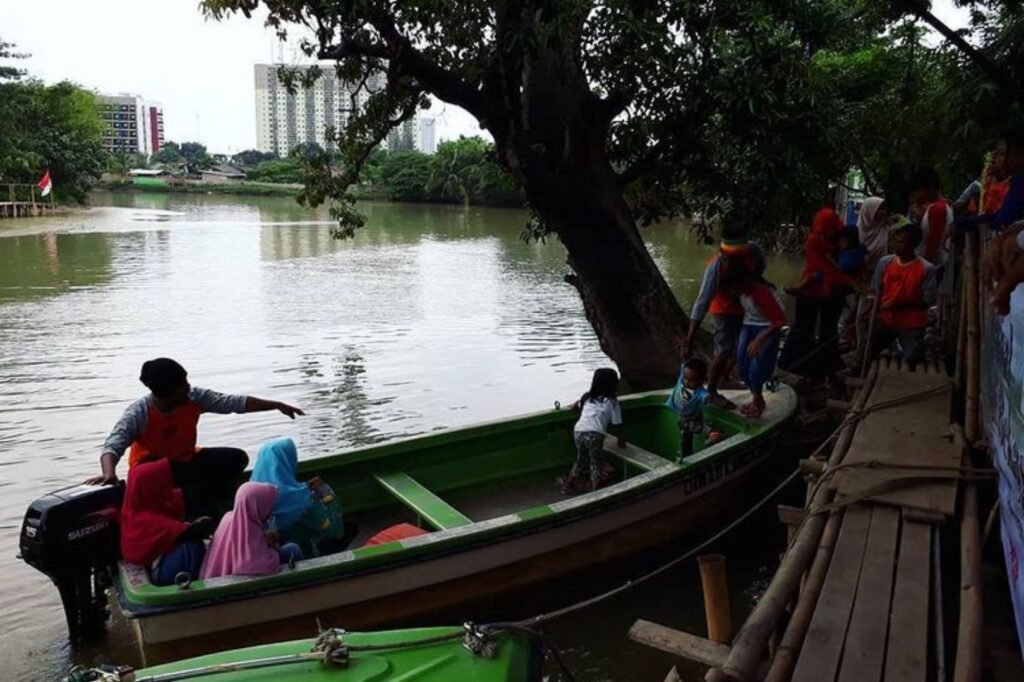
x: 758, y: 351
x: 687, y: 400
x: 599, y: 412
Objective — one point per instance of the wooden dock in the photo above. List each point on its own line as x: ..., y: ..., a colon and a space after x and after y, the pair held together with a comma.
x: 23, y: 201
x: 859, y: 596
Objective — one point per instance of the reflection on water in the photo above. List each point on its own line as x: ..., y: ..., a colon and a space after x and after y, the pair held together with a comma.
x: 48, y: 263
x: 431, y: 317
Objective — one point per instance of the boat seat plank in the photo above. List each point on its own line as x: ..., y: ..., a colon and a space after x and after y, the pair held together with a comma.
x: 638, y: 457
x: 431, y: 508
x: 907, y: 653
x: 823, y: 645
x: 870, y: 620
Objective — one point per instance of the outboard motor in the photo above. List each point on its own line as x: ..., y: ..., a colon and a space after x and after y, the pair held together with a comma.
x: 72, y: 536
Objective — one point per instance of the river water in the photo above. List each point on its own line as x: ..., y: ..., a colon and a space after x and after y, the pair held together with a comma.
x: 432, y: 317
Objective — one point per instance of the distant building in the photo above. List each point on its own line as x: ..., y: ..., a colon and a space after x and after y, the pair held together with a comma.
x: 284, y: 121
x: 428, y: 135
x: 134, y: 125
x: 221, y: 174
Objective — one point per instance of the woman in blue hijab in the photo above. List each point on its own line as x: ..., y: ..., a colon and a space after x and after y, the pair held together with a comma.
x: 277, y: 463
x: 308, y: 514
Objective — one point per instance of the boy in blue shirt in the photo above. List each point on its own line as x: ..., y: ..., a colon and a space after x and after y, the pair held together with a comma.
x: 688, y: 399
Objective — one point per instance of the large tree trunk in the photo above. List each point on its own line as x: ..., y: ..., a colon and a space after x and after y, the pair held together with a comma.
x: 554, y: 140
x: 634, y: 313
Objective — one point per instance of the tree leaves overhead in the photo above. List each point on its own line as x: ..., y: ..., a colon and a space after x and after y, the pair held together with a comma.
x: 700, y: 106
x: 50, y: 127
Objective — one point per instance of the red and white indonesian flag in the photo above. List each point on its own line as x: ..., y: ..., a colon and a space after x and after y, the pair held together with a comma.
x: 46, y: 184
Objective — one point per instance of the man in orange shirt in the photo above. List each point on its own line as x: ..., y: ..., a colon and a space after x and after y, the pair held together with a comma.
x: 906, y: 287
x: 163, y: 425
x: 735, y: 251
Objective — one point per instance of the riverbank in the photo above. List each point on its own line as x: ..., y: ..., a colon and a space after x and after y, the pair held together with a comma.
x: 269, y: 189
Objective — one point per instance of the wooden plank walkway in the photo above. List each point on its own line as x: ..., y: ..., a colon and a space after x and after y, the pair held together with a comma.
x: 872, y: 619
x: 915, y: 434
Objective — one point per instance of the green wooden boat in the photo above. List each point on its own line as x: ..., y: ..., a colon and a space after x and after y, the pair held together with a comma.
x: 421, y: 655
x: 488, y: 496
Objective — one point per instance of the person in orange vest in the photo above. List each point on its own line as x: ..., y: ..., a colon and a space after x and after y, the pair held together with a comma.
x: 906, y: 287
x: 936, y: 216
x: 735, y: 252
x: 163, y: 424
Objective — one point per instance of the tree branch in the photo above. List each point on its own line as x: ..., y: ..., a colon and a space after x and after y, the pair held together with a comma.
x: 989, y: 67
x: 436, y: 79
x: 350, y: 47
x: 645, y: 164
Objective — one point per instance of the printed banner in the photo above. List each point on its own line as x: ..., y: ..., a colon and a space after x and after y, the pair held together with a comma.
x: 1002, y: 388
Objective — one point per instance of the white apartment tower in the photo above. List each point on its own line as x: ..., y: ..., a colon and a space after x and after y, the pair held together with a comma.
x: 284, y: 121
x: 133, y: 125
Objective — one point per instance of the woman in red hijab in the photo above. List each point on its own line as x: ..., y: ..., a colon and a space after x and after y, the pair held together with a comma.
x: 812, y: 347
x: 154, y: 532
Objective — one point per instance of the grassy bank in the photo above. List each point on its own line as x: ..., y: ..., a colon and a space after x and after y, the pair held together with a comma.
x: 254, y: 189
x: 263, y: 189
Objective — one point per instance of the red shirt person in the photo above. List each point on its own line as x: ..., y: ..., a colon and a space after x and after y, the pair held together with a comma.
x: 163, y: 425
x: 906, y: 287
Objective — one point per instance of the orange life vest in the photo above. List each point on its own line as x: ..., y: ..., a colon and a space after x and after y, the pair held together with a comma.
x: 903, y: 284
x: 992, y: 195
x: 723, y: 303
x: 170, y: 435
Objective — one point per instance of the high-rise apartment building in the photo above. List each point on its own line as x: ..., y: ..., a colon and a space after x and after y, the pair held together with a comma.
x: 134, y: 125
x: 428, y: 135
x: 285, y: 120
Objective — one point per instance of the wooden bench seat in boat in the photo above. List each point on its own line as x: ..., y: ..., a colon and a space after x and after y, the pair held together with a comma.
x: 426, y: 504
x: 638, y: 457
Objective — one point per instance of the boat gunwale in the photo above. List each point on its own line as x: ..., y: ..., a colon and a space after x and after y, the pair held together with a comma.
x: 440, y: 544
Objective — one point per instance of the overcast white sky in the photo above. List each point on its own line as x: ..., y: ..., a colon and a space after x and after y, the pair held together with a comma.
x: 166, y: 51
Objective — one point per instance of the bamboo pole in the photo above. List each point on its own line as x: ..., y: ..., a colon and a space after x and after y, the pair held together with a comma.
x: 969, y: 643
x: 961, y: 339
x: 752, y: 640
x: 969, y: 634
x: 973, y: 337
x: 785, y: 657
x: 869, y: 343
x: 715, y: 583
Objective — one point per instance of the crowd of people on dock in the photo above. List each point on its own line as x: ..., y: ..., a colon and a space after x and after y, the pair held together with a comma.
x: 869, y: 285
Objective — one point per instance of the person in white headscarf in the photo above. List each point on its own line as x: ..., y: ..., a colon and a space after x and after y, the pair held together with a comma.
x: 873, y: 229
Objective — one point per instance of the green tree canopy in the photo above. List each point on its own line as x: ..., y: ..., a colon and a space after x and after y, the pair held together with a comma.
x: 49, y: 127
x: 170, y: 153
x: 252, y: 157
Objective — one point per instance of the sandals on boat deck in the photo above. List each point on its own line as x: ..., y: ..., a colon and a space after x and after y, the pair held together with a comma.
x: 720, y: 401
x: 752, y: 410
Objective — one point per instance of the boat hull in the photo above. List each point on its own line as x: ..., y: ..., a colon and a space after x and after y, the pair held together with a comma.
x: 681, y: 507
x: 424, y: 655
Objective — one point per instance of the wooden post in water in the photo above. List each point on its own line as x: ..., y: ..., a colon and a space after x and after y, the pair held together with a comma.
x: 751, y: 642
x: 717, y: 611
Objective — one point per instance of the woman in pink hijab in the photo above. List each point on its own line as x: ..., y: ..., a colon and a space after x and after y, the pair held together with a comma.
x: 243, y: 545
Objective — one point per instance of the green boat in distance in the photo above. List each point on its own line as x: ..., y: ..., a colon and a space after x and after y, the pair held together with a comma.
x: 443, y: 654
x: 487, y: 495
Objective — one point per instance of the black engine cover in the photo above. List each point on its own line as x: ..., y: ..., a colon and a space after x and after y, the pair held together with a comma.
x: 72, y: 528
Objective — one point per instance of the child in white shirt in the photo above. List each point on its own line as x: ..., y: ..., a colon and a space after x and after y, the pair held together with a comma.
x: 599, y: 411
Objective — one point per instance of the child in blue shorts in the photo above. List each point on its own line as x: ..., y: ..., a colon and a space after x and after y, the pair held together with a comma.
x: 687, y: 400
